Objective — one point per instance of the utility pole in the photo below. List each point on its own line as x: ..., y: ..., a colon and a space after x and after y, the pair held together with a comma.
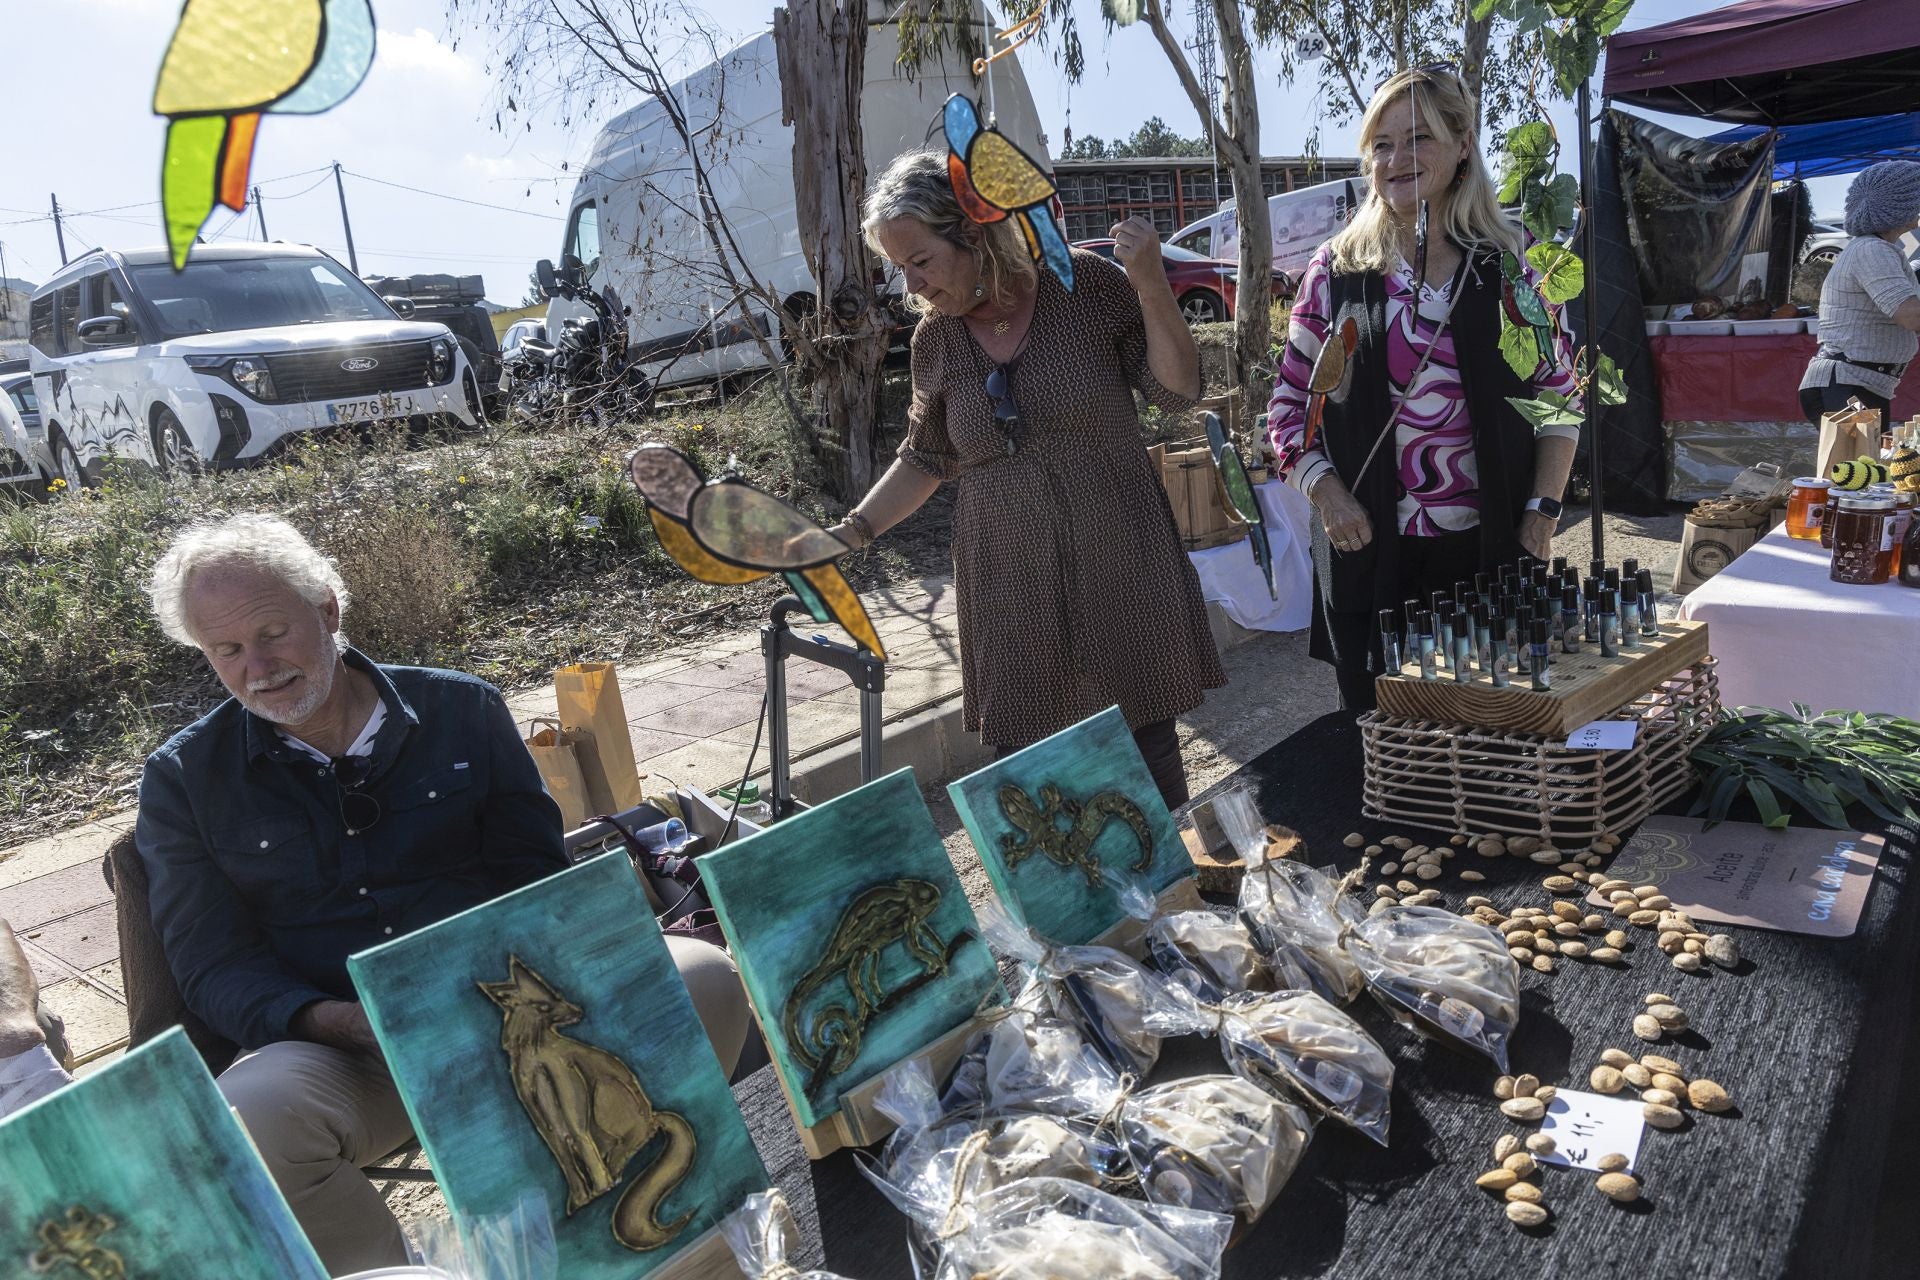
x: 6, y: 294
x: 260, y: 211
x: 353, y: 259
x: 59, y: 235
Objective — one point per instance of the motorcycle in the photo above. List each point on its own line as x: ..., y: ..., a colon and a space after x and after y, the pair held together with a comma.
x: 587, y: 371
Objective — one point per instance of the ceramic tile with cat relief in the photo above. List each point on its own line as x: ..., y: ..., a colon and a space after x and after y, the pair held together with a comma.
x: 545, y: 1043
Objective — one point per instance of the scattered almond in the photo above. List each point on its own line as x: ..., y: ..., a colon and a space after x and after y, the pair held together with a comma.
x: 1618, y: 1187
x: 1708, y: 1096
x: 1687, y: 962
x: 1605, y: 1079
x: 1505, y: 1145
x: 1521, y: 1162
x: 1613, y: 1162
x: 1663, y: 1117
x: 1523, y: 1193
x: 1496, y: 1179
x: 1524, y: 1214
x: 1540, y: 1144
x: 1525, y: 1110
x: 1616, y: 1057
x: 1723, y: 951
x: 1354, y: 840
x: 1646, y: 1026
x: 1637, y: 1075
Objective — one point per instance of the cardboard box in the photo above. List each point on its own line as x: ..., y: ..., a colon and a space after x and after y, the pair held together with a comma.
x: 1200, y: 508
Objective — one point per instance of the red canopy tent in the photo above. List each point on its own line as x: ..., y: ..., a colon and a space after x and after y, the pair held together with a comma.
x: 1774, y: 62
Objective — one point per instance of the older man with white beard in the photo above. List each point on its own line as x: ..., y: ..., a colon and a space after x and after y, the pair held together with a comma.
x: 331, y: 804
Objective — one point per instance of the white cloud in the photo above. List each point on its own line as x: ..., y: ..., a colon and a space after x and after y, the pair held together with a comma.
x: 422, y: 53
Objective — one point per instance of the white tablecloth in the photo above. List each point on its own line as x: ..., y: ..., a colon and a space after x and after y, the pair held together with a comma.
x: 1230, y: 576
x: 1785, y: 633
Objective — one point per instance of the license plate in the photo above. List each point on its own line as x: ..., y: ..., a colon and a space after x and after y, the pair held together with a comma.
x: 372, y: 409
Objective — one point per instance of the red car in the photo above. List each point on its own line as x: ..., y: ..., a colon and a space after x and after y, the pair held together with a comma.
x: 1205, y: 287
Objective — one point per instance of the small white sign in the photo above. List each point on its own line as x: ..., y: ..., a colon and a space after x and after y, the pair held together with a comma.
x: 1586, y: 1126
x: 1604, y: 735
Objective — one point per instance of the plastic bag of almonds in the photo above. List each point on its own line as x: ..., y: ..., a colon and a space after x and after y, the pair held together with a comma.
x: 1208, y: 952
x: 1023, y: 1058
x: 1104, y: 992
x: 1294, y: 915
x: 1215, y: 1143
x: 761, y: 1234
x: 1050, y: 1229
x: 1295, y: 1045
x: 1445, y: 977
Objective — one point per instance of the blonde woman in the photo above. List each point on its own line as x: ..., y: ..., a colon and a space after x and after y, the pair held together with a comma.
x: 1074, y: 593
x: 1458, y: 482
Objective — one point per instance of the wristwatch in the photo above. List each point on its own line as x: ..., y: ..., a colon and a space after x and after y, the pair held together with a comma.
x: 1548, y: 507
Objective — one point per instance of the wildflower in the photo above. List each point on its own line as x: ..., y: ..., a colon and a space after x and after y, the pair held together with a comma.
x: 463, y: 480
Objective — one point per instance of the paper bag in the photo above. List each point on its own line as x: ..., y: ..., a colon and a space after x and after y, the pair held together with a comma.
x: 555, y: 753
x: 590, y: 708
x: 1845, y: 435
x: 1706, y: 549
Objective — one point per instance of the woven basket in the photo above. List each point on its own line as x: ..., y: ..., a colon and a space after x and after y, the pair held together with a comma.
x: 1460, y: 779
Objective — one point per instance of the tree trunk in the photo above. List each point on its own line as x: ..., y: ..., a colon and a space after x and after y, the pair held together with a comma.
x: 1474, y: 37
x: 822, y: 51
x: 1252, y: 321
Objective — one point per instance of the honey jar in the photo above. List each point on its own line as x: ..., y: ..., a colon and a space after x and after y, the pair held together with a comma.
x: 1903, y: 507
x: 1807, y: 508
x: 1831, y: 510
x: 1862, y: 540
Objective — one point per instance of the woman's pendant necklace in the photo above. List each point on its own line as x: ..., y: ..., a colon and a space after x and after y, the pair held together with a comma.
x: 1001, y: 326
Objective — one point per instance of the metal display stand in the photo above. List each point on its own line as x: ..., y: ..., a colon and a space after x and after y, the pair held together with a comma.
x: 868, y: 673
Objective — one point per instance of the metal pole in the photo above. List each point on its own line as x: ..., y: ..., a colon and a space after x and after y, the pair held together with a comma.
x: 1596, y: 471
x: 59, y: 234
x: 353, y: 259
x: 773, y: 637
x: 260, y: 212
x: 6, y: 294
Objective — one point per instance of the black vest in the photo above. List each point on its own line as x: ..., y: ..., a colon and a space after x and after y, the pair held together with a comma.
x: 1369, y: 579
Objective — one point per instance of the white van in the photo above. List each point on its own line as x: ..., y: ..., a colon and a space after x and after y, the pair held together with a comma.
x: 634, y: 224
x: 220, y: 362
x: 1302, y: 222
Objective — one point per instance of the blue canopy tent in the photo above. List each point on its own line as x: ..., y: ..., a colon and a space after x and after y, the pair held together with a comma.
x: 1835, y: 147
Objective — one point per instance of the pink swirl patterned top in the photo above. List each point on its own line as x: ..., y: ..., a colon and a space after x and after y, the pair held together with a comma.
x: 1434, y: 440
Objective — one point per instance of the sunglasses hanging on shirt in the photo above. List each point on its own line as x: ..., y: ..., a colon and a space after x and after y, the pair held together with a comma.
x: 358, y: 810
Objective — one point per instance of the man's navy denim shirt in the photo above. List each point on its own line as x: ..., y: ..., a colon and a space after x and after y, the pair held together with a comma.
x: 258, y: 892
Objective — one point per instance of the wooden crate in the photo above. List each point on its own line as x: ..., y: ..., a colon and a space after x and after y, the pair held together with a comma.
x: 1586, y: 687
x: 1451, y: 777
x: 1192, y: 483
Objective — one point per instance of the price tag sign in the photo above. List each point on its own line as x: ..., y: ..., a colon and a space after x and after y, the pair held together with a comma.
x: 1587, y: 1126
x: 1604, y: 735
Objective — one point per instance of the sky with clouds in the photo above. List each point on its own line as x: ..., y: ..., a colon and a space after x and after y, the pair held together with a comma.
x: 76, y: 107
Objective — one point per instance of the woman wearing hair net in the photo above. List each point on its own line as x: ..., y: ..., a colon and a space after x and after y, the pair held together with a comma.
x: 1870, y: 303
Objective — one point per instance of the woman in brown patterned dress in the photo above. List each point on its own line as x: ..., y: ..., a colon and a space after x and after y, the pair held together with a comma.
x: 1074, y: 593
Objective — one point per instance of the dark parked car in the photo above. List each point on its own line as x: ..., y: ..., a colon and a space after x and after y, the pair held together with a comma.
x: 454, y: 301
x: 1206, y: 288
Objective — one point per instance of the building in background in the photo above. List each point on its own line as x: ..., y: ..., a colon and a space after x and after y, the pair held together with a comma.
x: 1171, y: 192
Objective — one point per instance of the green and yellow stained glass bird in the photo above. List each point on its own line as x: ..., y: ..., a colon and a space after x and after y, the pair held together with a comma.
x: 229, y: 62
x: 1239, y: 488
x: 727, y: 532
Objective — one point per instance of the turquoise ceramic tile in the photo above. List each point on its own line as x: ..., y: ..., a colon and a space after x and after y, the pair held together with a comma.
x: 854, y: 937
x: 1064, y: 823
x: 142, y: 1171
x: 544, y: 1043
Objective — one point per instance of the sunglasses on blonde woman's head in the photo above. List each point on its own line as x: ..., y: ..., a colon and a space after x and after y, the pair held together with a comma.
x: 1431, y: 68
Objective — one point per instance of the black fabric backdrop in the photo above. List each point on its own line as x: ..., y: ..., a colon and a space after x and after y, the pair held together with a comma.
x: 1809, y: 1036
x: 1634, y: 456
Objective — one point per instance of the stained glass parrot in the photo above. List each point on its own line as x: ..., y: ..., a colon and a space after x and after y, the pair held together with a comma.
x: 993, y: 179
x: 727, y: 532
x: 1524, y: 306
x: 1329, y: 372
x: 1239, y: 486
x: 230, y: 61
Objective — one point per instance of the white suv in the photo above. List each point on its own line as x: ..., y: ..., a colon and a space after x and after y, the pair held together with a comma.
x: 221, y: 362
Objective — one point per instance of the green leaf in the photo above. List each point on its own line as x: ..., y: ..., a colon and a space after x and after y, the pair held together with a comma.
x: 1605, y: 16
x: 1529, y: 155
x: 1544, y: 412
x: 1767, y: 803
x: 1481, y: 8
x: 1546, y: 207
x: 1562, y: 274
x: 1517, y: 345
x: 1572, y: 52
x: 1608, y: 386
